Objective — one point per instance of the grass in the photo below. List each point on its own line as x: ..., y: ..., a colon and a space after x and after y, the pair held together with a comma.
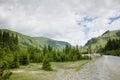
x: 77, y: 68
x: 33, y: 71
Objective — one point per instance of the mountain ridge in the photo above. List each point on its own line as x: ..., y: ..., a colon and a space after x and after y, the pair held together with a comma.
x: 102, y: 40
x: 39, y: 42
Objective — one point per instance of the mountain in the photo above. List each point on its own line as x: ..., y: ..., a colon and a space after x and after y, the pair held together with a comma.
x: 102, y: 40
x: 38, y: 42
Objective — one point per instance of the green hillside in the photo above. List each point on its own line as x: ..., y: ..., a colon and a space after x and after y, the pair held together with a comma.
x: 38, y: 42
x: 102, y: 40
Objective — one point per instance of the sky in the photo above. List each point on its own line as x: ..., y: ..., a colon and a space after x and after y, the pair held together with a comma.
x: 74, y: 21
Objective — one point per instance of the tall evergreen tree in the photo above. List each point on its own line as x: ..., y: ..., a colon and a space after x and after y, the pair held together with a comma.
x: 4, y: 38
x: 24, y: 58
x: 16, y: 40
x: 1, y: 38
x: 44, y: 50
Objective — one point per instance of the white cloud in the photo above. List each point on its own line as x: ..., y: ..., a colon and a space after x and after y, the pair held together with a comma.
x: 57, y: 19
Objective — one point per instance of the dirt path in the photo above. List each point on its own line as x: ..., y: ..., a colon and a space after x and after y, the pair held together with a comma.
x: 17, y: 71
x: 105, y: 68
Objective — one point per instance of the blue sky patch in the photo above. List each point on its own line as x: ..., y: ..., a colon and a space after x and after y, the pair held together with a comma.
x: 86, y: 29
x: 112, y: 19
x: 85, y: 19
x: 89, y: 19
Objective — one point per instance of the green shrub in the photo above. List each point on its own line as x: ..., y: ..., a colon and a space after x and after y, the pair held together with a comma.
x: 46, y: 64
x: 6, y: 75
x: 113, y: 52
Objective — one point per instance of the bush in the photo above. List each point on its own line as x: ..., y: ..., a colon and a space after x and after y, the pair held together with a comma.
x: 113, y: 52
x: 24, y: 58
x: 6, y: 75
x: 46, y: 64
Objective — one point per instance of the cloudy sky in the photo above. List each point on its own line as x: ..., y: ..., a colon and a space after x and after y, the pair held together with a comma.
x: 74, y: 21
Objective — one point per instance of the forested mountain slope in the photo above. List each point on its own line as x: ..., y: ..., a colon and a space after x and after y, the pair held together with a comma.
x: 38, y: 42
x: 102, y: 40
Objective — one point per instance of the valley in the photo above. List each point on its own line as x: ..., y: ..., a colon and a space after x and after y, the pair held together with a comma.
x: 33, y: 71
x: 58, y: 60
x: 100, y: 68
x: 59, y: 39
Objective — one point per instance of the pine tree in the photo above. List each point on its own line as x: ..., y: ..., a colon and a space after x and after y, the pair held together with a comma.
x: 7, y: 39
x: 4, y: 39
x: 1, y: 38
x: 5, y: 60
x: 16, y: 62
x: 24, y: 58
x: 44, y: 50
x: 16, y: 40
x: 46, y: 64
x: 78, y: 53
x: 12, y: 45
x: 50, y: 48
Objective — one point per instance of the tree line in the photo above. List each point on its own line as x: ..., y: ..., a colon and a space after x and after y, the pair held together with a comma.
x: 49, y: 54
x: 112, y: 47
x: 68, y: 53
